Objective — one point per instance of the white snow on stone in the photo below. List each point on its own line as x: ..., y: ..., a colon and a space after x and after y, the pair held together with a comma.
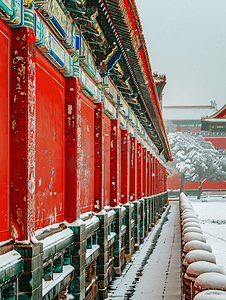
x: 197, y: 245
x: 56, y: 238
x: 9, y: 258
x: 5, y: 242
x: 187, y: 220
x: 199, y: 267
x: 191, y: 224
x: 210, y: 281
x: 92, y: 250
x: 57, y: 278
x: 199, y: 255
x: 192, y: 229
x: 188, y: 215
x: 211, y: 295
x: 190, y: 236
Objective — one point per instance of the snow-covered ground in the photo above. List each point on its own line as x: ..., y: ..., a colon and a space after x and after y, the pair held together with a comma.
x: 211, y: 212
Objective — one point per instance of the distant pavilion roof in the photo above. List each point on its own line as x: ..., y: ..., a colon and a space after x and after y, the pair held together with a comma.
x: 220, y: 114
x: 176, y: 113
x: 217, y: 118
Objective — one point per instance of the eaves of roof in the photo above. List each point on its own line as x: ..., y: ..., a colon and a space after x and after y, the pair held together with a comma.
x: 145, y: 84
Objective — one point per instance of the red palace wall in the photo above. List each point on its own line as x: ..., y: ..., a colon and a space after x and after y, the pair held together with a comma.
x: 5, y: 61
x: 217, y: 142
x: 173, y: 183
x: 61, y: 152
x: 50, y: 147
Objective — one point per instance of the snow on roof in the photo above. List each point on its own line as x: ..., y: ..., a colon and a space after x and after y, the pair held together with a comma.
x: 187, y: 112
x: 199, y: 267
x: 210, y: 281
x: 221, y: 113
x: 214, y: 120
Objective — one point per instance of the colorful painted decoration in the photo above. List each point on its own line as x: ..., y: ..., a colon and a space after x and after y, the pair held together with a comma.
x: 110, y: 61
x: 52, y: 49
x: 86, y: 59
x: 109, y: 108
x: 89, y: 88
x: 12, y: 12
x: 57, y: 17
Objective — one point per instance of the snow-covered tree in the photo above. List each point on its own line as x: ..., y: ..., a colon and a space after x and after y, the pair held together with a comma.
x: 195, y: 159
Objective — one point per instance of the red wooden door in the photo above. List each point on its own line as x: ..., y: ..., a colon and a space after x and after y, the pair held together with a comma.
x: 50, y: 146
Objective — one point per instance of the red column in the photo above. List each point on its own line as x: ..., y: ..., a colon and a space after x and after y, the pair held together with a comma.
x: 148, y: 173
x: 23, y: 132
x: 157, y: 176
x: 163, y: 178
x: 160, y: 178
x: 115, y: 163
x: 133, y: 169
x: 99, y: 157
x: 72, y: 148
x: 144, y: 166
x: 139, y: 170
x: 5, y: 70
x: 151, y: 173
x: 125, y: 166
x: 154, y: 175
x: 165, y: 181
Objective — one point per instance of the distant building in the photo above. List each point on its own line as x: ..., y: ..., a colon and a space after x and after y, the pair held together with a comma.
x: 160, y: 82
x: 188, y: 118
x: 213, y: 128
x: 215, y: 122
x: 203, y: 120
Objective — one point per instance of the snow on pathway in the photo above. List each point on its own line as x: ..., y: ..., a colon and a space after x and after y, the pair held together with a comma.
x: 162, y: 275
x: 154, y: 272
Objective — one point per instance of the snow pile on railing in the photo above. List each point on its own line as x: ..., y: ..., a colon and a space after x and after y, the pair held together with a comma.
x: 202, y: 278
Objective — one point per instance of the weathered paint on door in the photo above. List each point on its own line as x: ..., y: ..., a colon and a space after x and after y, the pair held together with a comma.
x: 5, y: 42
x: 87, y: 155
x: 107, y: 155
x: 50, y: 149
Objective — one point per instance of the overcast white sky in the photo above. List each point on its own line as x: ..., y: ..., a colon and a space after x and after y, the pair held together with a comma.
x: 186, y: 40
